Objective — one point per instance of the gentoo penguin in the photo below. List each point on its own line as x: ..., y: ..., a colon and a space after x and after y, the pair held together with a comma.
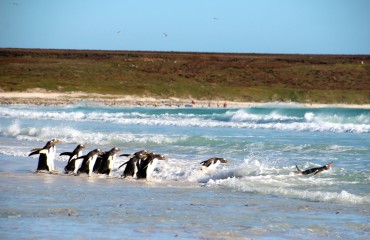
x: 52, y: 153
x: 148, y: 165
x: 132, y: 165
x: 73, y: 165
x: 104, y: 163
x: 88, y: 162
x: 47, y: 155
x: 212, y: 163
x: 314, y: 170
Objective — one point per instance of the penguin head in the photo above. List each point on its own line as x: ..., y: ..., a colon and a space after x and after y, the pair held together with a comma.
x: 115, y: 149
x: 222, y: 160
x: 55, y: 141
x: 142, y: 153
x: 161, y: 157
x: 98, y: 151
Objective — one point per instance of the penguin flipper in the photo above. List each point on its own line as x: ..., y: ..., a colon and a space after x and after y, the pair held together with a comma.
x: 39, y: 152
x: 66, y: 154
x: 36, y: 149
x: 206, y: 163
x: 123, y: 164
x: 80, y: 157
x: 298, y: 170
x: 34, y: 153
x: 125, y: 155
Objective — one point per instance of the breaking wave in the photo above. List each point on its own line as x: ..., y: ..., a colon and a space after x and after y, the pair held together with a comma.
x: 284, y: 120
x: 253, y: 176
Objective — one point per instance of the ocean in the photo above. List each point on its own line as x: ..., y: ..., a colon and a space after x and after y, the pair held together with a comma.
x: 256, y: 195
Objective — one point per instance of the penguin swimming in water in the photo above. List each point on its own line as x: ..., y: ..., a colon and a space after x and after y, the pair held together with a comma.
x: 47, y: 155
x: 88, y: 162
x: 132, y: 165
x: 104, y: 163
x: 148, y: 165
x: 212, y: 163
x: 73, y: 164
x: 314, y: 170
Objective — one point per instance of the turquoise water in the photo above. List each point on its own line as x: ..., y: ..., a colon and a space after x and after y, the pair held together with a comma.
x: 255, y: 195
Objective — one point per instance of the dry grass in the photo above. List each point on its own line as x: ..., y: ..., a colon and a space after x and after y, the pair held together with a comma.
x: 239, y: 77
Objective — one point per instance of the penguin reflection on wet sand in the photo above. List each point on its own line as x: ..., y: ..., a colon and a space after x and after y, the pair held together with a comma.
x: 88, y: 162
x: 148, y: 165
x: 104, y: 163
x: 73, y: 164
x: 132, y: 165
x: 46, y: 157
x: 212, y: 163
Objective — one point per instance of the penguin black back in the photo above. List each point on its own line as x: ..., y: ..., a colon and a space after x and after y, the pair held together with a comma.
x: 43, y: 163
x: 147, y: 165
x: 85, y: 166
x: 70, y: 167
x: 104, y: 163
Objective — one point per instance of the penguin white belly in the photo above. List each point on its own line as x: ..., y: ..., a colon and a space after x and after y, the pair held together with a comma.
x: 150, y: 168
x: 111, y: 162
x: 135, y: 171
x: 211, y: 167
x: 91, y: 164
x: 50, y: 158
x: 78, y: 163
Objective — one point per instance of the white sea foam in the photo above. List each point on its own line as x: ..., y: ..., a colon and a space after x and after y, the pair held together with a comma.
x: 243, y: 116
x: 255, y: 177
x: 71, y: 135
x: 252, y: 175
x: 238, y: 119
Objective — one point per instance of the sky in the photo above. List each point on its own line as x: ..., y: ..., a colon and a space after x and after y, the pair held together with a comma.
x: 240, y: 26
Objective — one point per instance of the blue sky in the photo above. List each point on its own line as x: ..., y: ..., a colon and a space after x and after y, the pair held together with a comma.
x: 243, y: 26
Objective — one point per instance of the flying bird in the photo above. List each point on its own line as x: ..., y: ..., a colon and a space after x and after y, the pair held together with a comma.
x: 165, y: 34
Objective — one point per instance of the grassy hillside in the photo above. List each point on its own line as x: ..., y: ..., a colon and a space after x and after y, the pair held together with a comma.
x: 238, y: 77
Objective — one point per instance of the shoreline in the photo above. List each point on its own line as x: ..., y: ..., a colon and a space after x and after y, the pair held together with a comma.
x: 42, y: 97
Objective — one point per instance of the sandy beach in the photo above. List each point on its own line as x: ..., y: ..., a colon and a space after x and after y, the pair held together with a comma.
x: 41, y: 97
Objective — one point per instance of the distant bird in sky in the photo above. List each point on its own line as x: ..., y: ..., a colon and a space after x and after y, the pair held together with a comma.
x: 215, y: 18
x: 119, y: 32
x: 14, y: 3
x: 165, y: 34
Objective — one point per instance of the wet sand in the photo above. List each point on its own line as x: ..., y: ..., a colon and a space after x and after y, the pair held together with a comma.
x: 41, y: 97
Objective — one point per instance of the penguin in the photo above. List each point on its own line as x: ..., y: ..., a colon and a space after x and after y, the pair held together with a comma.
x: 148, y: 165
x: 88, y: 162
x: 52, y: 153
x: 73, y: 165
x: 314, y: 170
x: 132, y: 165
x: 104, y: 163
x: 46, y: 157
x: 212, y: 163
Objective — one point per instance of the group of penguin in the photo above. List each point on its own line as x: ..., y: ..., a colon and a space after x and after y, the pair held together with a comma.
x: 140, y: 165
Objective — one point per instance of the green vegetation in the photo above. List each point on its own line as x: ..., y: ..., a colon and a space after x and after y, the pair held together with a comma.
x: 205, y: 76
